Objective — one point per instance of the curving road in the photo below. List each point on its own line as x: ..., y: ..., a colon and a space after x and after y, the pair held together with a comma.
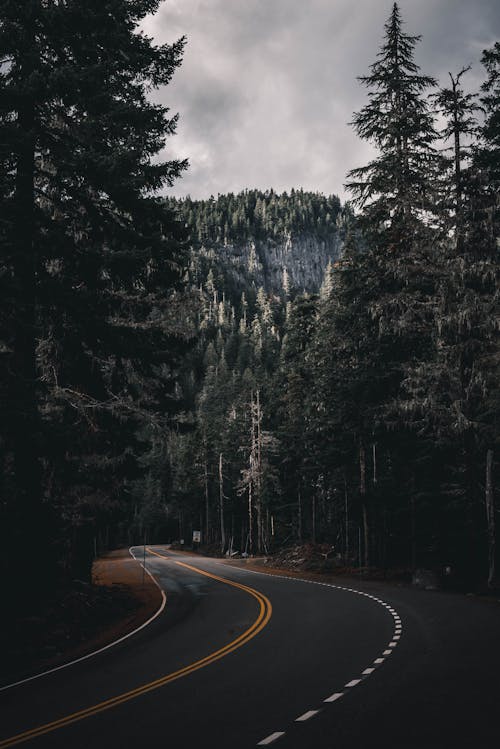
x: 241, y: 659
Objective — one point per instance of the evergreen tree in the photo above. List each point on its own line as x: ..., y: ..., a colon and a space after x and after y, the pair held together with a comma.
x: 396, y: 189
x: 398, y: 194
x: 459, y: 110
x: 487, y: 156
x: 87, y: 247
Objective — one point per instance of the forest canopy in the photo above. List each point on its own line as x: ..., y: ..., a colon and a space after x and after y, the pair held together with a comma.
x: 266, y: 368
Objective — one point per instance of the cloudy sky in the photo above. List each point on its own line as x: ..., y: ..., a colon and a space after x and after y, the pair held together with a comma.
x: 267, y: 87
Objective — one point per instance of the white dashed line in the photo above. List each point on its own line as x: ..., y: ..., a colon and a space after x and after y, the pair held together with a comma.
x: 334, y: 697
x: 306, y: 716
x: 271, y: 738
x: 353, y: 683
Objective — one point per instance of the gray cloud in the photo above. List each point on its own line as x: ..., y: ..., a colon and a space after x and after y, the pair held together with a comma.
x: 267, y: 87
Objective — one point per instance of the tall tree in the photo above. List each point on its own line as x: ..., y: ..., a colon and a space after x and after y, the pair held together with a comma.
x: 87, y: 246
x: 459, y: 110
x: 397, y: 194
x: 487, y: 157
x: 395, y: 190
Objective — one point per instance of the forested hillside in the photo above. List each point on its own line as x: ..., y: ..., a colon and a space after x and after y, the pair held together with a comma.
x: 264, y: 368
x: 364, y: 413
x: 280, y: 242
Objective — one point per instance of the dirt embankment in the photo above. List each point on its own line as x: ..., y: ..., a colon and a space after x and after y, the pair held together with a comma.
x: 118, y: 570
x: 319, y: 562
x: 82, y: 619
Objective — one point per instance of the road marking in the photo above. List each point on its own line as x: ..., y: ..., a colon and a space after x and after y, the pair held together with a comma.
x: 271, y: 738
x: 353, y: 683
x: 105, y: 647
x: 265, y: 612
x: 397, y: 621
x: 306, y: 716
x: 334, y: 697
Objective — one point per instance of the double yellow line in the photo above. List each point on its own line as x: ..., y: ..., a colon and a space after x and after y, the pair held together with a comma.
x: 265, y: 612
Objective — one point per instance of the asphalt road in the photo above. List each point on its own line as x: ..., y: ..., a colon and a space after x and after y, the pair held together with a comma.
x: 238, y: 659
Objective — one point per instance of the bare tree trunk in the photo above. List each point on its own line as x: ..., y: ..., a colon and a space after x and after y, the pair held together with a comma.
x: 221, y: 506
x: 207, y: 503
x: 346, y: 510
x: 250, y: 518
x: 374, y: 455
x: 413, y: 532
x: 362, y: 491
x: 299, y: 518
x: 258, y: 473
x: 313, y: 503
x: 490, y: 515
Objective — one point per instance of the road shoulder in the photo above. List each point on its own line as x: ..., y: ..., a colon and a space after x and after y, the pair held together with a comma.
x: 83, y: 619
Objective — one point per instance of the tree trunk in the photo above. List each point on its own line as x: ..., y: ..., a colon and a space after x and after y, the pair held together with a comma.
x: 490, y: 516
x: 207, y: 504
x: 413, y: 532
x: 458, y: 166
x: 299, y: 518
x: 346, y: 510
x: 250, y: 518
x: 258, y: 472
x: 362, y: 491
x: 221, y: 506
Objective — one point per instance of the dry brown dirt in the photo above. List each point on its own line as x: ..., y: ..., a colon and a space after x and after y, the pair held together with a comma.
x: 118, y: 568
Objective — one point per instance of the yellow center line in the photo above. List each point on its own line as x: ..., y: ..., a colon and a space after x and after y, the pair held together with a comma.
x: 265, y: 612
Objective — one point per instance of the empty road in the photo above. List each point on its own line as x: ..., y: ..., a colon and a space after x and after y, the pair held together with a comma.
x: 241, y: 659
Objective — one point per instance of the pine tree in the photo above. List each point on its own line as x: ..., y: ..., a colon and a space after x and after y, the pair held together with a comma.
x: 459, y: 110
x: 87, y: 245
x: 487, y: 156
x: 396, y: 189
x: 294, y: 381
x: 397, y: 193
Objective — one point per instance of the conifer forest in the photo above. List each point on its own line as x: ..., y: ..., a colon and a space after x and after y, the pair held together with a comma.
x: 269, y: 368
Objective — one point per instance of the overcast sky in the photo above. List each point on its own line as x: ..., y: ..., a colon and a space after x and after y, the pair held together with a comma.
x: 267, y: 87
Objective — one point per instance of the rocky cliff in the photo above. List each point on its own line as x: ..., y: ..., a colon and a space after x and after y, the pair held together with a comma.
x: 263, y: 239
x: 293, y: 262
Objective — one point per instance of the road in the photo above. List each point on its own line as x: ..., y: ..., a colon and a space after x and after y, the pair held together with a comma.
x: 240, y: 659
